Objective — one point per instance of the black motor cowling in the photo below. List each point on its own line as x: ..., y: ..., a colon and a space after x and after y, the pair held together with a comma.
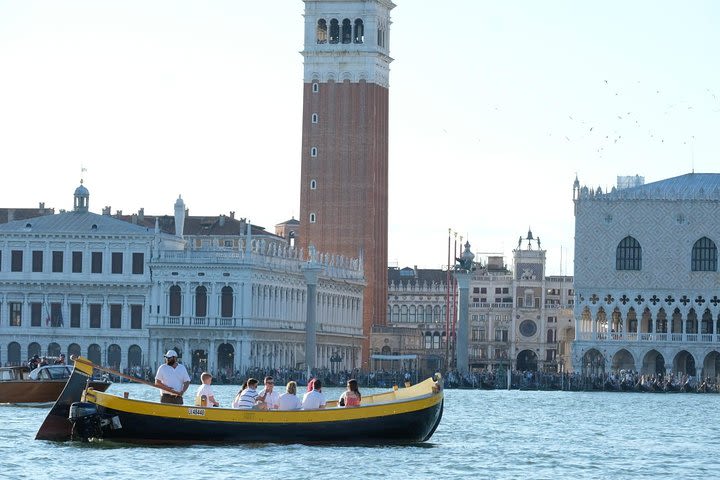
x: 87, y: 422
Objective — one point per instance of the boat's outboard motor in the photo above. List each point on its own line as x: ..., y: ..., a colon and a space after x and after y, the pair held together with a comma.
x: 86, y: 421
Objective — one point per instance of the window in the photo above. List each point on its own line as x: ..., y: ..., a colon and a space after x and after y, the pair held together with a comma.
x: 628, y: 255
x: 57, y: 262
x: 138, y: 263
x: 313, y: 152
x: 476, y: 290
x: 74, y: 315
x: 16, y: 261
x: 321, y: 31
x: 501, y: 335
x: 96, y: 263
x: 314, y: 118
x: 56, y: 318
x: 37, y: 261
x: 704, y: 256
x: 15, y: 314
x: 313, y: 218
x: 136, y: 316
x: 359, y: 31
x: 35, y: 314
x: 313, y: 184
x: 483, y: 290
x: 346, y: 31
x: 226, y: 302
x: 117, y: 263
x: 505, y: 290
x: 95, y: 315
x: 201, y: 301
x: 498, y: 290
x: 175, y: 301
x: 315, y: 87
x: 76, y: 262
x: 334, y: 31
x: 115, y: 315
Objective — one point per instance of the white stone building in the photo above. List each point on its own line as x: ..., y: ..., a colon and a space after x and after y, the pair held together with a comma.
x: 122, y: 293
x: 519, y: 318
x: 646, y: 277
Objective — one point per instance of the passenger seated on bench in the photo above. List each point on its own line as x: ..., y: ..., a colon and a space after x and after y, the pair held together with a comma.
x: 314, y: 399
x: 205, y: 390
x: 289, y: 400
x: 350, y: 397
x: 247, y: 399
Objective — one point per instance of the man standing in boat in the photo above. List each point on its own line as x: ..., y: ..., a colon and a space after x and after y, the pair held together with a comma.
x: 172, y: 375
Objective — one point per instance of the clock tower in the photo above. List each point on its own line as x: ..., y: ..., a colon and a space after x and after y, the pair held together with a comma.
x: 344, y: 172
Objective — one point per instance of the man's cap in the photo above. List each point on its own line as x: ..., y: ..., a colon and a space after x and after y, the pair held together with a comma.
x: 171, y: 353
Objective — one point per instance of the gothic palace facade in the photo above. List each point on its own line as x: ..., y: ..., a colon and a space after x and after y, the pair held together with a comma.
x: 646, y: 277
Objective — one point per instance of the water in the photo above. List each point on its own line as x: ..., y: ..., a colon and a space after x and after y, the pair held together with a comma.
x: 483, y: 434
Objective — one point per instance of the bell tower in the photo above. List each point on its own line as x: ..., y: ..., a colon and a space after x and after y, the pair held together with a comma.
x: 344, y: 171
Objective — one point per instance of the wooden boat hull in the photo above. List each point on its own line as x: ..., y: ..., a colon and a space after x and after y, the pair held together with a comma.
x: 406, y: 422
x: 37, y: 391
x: 406, y: 415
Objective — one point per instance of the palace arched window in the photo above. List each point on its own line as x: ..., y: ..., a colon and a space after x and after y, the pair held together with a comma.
x: 175, y: 301
x: 428, y: 340
x: 704, y: 256
x: 201, y: 301
x: 226, y: 302
x: 359, y: 31
x: 628, y: 255
x: 334, y: 31
x: 404, y: 313
x: 436, y: 340
x: 321, y: 31
x: 314, y: 118
x: 412, y: 314
x: 346, y: 31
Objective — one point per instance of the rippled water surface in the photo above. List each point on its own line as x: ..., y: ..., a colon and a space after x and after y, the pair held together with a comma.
x: 483, y: 434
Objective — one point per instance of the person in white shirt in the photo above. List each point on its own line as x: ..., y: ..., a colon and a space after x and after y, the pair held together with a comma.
x: 206, y: 390
x: 174, y: 377
x: 314, y: 399
x: 247, y: 399
x: 289, y: 400
x: 268, y: 395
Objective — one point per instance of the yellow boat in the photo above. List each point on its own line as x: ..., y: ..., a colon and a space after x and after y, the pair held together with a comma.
x: 405, y: 415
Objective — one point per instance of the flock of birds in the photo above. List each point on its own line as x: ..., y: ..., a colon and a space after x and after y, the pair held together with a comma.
x: 645, y: 123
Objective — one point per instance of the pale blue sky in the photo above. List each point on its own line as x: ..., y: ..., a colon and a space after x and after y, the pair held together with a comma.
x: 492, y: 105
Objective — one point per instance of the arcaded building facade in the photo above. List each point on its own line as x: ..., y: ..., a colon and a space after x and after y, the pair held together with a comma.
x: 344, y: 171
x: 225, y: 294
x: 646, y: 277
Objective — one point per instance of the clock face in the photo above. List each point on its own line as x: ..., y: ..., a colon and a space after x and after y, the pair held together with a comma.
x: 528, y: 328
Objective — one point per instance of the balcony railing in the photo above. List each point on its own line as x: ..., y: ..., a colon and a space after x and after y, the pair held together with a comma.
x: 649, y: 337
x: 258, y: 323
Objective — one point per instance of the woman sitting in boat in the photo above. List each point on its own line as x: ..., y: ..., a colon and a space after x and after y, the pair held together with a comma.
x: 247, y: 399
x: 289, y: 400
x: 351, y: 397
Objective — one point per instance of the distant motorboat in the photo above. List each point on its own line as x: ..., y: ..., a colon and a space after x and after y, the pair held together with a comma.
x: 19, y: 385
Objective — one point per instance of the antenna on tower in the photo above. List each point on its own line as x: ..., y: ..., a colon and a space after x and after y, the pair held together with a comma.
x: 83, y: 171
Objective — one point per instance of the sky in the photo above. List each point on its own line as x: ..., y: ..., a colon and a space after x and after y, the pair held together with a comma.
x: 495, y: 107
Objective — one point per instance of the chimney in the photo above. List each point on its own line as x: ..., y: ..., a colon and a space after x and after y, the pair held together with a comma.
x: 106, y: 210
x: 118, y: 213
x: 134, y: 219
x: 42, y: 207
x: 232, y: 215
x: 141, y: 215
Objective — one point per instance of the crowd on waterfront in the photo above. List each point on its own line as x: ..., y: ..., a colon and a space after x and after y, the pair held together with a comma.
x: 621, y: 381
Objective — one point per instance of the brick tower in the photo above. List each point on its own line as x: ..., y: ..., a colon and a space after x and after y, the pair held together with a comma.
x: 344, y: 174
